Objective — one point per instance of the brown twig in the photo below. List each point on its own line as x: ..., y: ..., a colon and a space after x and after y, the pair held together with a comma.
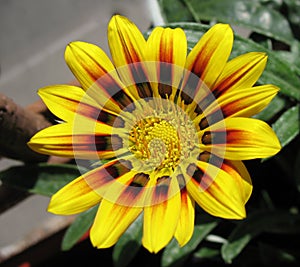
x: 17, y: 126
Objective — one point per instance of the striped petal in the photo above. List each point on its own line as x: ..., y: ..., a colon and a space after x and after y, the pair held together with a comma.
x: 244, y: 102
x: 90, y: 141
x: 88, y: 189
x: 119, y: 208
x: 185, y: 227
x: 238, y: 169
x: 111, y: 222
x: 127, y: 45
x: 167, y: 47
x: 97, y: 75
x: 88, y: 62
x: 240, y: 139
x: 219, y: 192
x: 241, y: 72
x: 161, y: 220
x: 75, y: 197
x: 67, y: 102
x: 214, y: 46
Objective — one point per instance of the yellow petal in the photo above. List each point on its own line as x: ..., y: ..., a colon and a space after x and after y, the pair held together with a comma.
x: 127, y: 45
x: 240, y: 102
x: 167, y: 47
x: 185, y: 227
x: 88, y: 62
x: 160, y: 220
x: 111, y: 222
x: 126, y: 42
x: 64, y: 100
x: 84, y: 191
x: 240, y: 139
x: 97, y: 75
x: 217, y: 191
x: 242, y: 71
x: 88, y: 140
x: 238, y: 169
x: 209, y: 56
x: 73, y: 198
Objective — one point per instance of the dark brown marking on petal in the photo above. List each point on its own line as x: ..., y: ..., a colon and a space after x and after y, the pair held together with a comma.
x: 210, y: 158
x: 119, y: 123
x: 124, y: 100
x: 165, y: 80
x: 181, y: 180
x: 204, y: 156
x: 107, y: 142
x: 206, y: 138
x: 110, y: 119
x: 189, y: 88
x: 194, y: 171
x: 118, y: 169
x: 126, y: 163
x: 191, y: 169
x: 216, y: 137
x: 211, y: 119
x: 207, y: 100
x: 134, y: 190
x: 117, y: 142
x: 106, y: 173
x: 114, y: 91
x: 140, y: 180
x: 203, y: 123
x: 162, y: 188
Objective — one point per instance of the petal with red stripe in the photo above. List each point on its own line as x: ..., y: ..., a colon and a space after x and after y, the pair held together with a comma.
x: 91, y: 141
x: 185, y: 226
x: 216, y: 190
x: 127, y: 46
x: 209, y: 56
x: 97, y: 75
x: 167, y: 49
x: 240, y: 139
x: 161, y: 219
x: 240, y: 72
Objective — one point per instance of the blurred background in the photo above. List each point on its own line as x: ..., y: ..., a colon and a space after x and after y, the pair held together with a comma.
x: 34, y: 34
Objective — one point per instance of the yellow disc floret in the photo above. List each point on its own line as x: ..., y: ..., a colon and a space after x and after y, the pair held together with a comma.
x: 155, y: 141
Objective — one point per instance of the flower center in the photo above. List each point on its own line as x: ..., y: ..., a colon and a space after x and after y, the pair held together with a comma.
x: 160, y: 135
x: 156, y: 142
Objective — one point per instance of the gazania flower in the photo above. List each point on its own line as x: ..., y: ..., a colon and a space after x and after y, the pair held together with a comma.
x: 172, y: 128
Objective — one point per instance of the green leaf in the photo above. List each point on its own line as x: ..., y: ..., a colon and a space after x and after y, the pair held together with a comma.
x: 173, y: 11
x: 129, y: 243
x: 287, y: 126
x: 272, y: 256
x: 279, y: 222
x: 174, y: 255
x: 78, y: 228
x: 206, y: 253
x: 248, y: 14
x: 44, y: 179
x: 293, y: 11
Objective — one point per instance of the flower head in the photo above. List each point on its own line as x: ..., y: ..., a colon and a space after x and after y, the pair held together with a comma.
x: 172, y: 128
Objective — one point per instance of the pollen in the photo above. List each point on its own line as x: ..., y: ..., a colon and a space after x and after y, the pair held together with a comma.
x: 156, y: 141
x: 161, y: 137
